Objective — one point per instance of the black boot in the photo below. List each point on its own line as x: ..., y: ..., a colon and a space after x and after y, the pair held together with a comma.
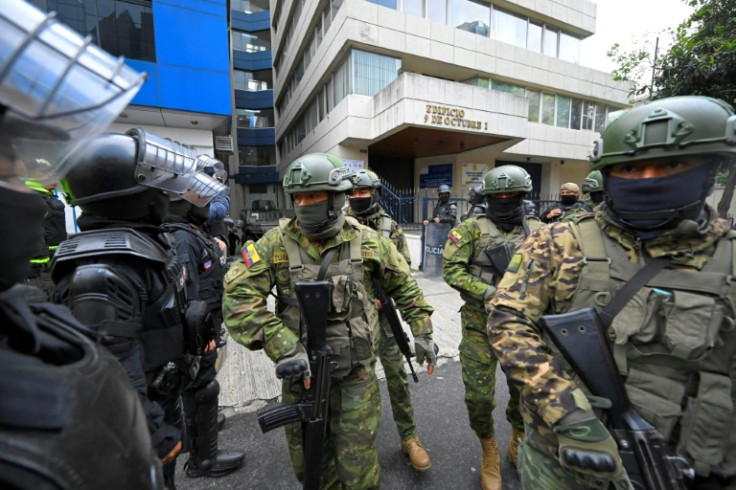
x: 204, y: 457
x: 221, y: 419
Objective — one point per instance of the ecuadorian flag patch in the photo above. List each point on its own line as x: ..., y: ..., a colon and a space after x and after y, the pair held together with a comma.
x: 250, y: 255
x: 514, y: 263
x: 455, y: 236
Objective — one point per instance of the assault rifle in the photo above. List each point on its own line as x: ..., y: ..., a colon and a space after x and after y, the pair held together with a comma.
x: 647, y: 458
x: 499, y: 257
x: 388, y: 308
x: 311, y: 410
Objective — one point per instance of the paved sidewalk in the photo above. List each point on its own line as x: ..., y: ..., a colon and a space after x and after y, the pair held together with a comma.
x: 247, y: 379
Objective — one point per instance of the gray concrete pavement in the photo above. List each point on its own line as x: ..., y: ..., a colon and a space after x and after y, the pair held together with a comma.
x: 248, y: 383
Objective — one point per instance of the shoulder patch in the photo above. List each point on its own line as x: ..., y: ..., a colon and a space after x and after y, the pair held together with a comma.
x: 514, y: 263
x: 234, y: 273
x: 455, y: 236
x: 280, y: 257
x: 250, y: 255
x: 367, y: 253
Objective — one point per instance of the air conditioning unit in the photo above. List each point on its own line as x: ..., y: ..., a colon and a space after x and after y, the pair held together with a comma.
x: 224, y: 144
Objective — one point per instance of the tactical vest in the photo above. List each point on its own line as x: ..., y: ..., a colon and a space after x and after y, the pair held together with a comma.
x: 675, y: 343
x: 480, y: 266
x: 208, y: 265
x: 352, y: 322
x: 445, y: 212
x: 162, y: 317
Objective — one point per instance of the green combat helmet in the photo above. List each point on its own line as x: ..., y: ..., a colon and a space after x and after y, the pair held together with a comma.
x: 593, y: 182
x: 317, y: 172
x: 506, y: 178
x: 676, y: 126
x: 366, y: 179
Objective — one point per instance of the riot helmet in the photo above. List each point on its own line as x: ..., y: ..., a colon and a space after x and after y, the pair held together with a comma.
x: 317, y: 172
x: 365, y: 179
x: 506, y: 211
x: 57, y: 90
x: 677, y: 129
x: 593, y: 186
x: 194, y: 214
x: 444, y: 193
x: 474, y: 195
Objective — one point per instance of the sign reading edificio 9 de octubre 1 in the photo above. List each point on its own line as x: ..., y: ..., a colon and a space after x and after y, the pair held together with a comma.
x: 440, y: 115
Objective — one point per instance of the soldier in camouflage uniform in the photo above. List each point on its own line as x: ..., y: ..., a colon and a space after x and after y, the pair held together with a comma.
x: 293, y: 252
x: 365, y: 208
x: 659, y: 162
x: 568, y: 208
x: 468, y: 269
x: 593, y: 186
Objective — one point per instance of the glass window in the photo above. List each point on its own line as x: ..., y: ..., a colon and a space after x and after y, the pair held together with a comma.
x: 437, y: 11
x: 470, y: 16
x: 341, y: 82
x: 569, y: 48
x: 508, y: 28
x: 371, y: 72
x: 548, y: 109
x: 550, y: 41
x: 249, y: 6
x: 392, y: 4
x: 588, y: 115
x: 336, y: 4
x: 576, y: 113
x: 533, y: 106
x: 327, y: 18
x: 414, y: 7
x: 255, y: 118
x: 600, y: 117
x: 257, y: 155
x: 253, y: 81
x: 80, y: 15
x: 563, y: 112
x: 252, y: 42
x: 507, y: 87
x: 534, y: 37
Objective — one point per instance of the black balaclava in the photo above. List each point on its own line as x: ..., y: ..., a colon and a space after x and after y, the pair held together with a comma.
x: 506, y: 212
x: 651, y: 206
x: 322, y: 219
x: 597, y: 197
x: 444, y: 198
x: 364, y: 205
x: 568, y: 200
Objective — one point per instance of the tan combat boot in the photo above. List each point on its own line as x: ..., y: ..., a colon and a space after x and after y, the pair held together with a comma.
x: 418, y: 456
x: 490, y: 470
x: 516, y: 437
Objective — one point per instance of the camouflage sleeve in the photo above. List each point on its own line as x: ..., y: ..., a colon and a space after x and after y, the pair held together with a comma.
x: 244, y: 308
x: 399, y: 239
x: 398, y: 283
x: 543, y: 274
x: 459, y: 249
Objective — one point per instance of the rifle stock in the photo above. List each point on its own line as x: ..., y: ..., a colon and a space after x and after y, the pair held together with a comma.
x: 388, y: 308
x: 648, y: 460
x: 312, y: 409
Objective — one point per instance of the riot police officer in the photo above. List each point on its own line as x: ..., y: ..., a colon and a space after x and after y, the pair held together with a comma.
x: 476, y: 203
x: 444, y: 211
x: 69, y: 417
x: 364, y: 206
x: 302, y: 249
x: 652, y: 259
x: 120, y: 275
x: 475, y: 258
x: 203, y: 265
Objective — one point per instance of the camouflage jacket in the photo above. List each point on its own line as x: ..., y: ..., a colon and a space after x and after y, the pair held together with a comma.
x: 375, y: 221
x: 247, y: 285
x: 461, y: 248
x: 543, y: 279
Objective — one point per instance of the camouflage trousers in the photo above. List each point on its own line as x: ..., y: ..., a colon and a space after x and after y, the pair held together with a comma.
x: 479, y: 375
x: 398, y: 386
x: 350, y: 457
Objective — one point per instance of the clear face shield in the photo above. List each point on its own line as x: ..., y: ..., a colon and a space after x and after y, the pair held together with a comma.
x: 172, y: 167
x: 57, y: 90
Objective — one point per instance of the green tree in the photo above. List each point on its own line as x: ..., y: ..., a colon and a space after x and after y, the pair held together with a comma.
x: 701, y: 60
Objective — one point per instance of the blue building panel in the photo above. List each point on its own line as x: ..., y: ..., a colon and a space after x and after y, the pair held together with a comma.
x: 148, y: 94
x: 190, y: 89
x: 266, y: 174
x: 192, y: 33
x: 256, y: 137
x: 258, y: 21
x: 252, y: 61
x: 254, y: 100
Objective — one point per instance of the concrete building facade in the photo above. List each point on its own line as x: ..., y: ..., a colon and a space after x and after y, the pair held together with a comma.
x: 430, y: 92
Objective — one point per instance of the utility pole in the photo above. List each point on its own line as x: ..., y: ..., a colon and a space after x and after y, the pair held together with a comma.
x: 654, y: 68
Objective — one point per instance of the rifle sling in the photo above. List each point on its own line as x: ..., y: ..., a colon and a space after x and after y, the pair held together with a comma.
x: 326, y: 263
x: 629, y: 289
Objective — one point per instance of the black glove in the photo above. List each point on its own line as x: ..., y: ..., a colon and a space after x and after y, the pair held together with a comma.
x: 294, y: 366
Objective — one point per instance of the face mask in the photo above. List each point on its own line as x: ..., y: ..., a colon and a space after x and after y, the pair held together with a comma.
x: 505, y: 210
x: 21, y: 215
x: 596, y: 197
x: 360, y: 205
x: 197, y: 215
x: 444, y: 199
x: 649, y: 206
x: 568, y: 200
x: 322, y: 219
